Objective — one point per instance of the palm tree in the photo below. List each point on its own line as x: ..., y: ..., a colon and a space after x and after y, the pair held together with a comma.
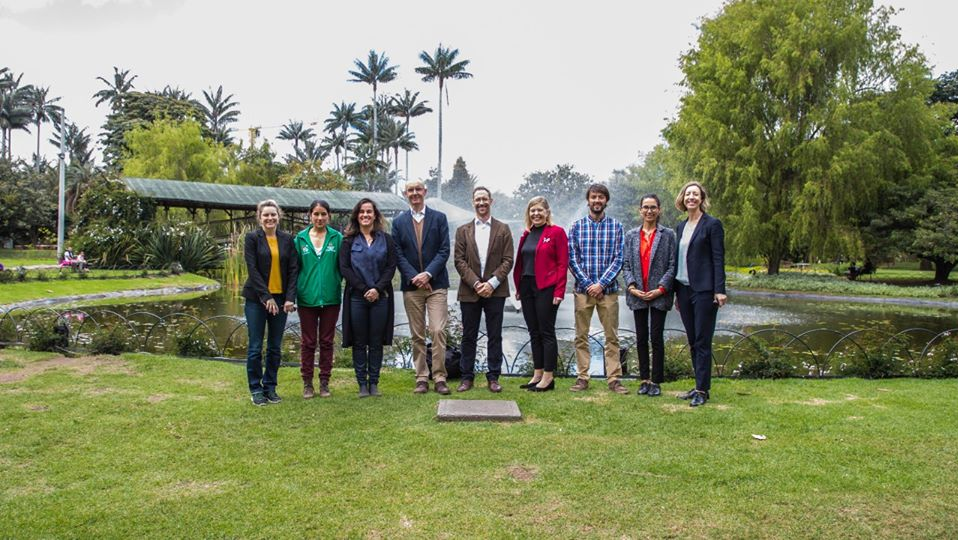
x: 220, y: 112
x: 440, y: 66
x: 15, y: 110
x: 114, y: 91
x: 375, y: 71
x: 82, y: 168
x: 367, y: 163
x: 342, y: 117
x: 311, y: 153
x: 44, y: 110
x: 296, y: 132
x: 407, y: 105
x: 175, y: 92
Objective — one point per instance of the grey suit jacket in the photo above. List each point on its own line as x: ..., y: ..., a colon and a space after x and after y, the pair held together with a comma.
x: 662, y: 267
x: 499, y: 259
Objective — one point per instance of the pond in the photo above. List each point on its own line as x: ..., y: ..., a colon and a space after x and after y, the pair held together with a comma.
x: 811, y: 327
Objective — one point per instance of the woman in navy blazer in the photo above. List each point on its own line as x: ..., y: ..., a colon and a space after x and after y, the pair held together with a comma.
x: 699, y: 283
x: 272, y: 267
x: 540, y: 275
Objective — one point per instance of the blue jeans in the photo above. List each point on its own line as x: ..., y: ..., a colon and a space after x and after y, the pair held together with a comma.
x: 368, y: 322
x: 257, y: 322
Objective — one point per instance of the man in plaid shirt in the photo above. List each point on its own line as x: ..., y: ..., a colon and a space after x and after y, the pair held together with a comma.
x: 596, y: 243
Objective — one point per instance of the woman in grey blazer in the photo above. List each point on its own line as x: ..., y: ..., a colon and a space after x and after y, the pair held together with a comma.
x: 649, y: 269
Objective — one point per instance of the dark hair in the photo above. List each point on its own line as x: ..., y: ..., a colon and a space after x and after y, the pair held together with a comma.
x: 654, y: 197
x: 481, y: 188
x: 598, y: 188
x: 319, y: 202
x: 352, y: 229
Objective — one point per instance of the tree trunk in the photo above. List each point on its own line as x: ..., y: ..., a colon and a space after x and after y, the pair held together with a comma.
x: 407, y: 153
x: 942, y: 269
x: 439, y: 167
x: 38, y: 147
x: 774, y: 262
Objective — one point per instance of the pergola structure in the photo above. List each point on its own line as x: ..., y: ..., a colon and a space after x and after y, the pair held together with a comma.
x: 239, y: 202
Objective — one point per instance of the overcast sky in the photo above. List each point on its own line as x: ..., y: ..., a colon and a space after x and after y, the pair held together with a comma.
x: 585, y: 83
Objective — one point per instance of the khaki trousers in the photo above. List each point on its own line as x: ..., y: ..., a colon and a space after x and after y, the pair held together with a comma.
x: 422, y: 305
x: 608, y: 308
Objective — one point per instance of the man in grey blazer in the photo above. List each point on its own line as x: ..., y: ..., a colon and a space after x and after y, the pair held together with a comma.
x: 483, y: 256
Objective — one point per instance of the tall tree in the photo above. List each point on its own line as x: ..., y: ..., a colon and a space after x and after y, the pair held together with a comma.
x: 441, y: 66
x: 15, y: 110
x: 295, y: 131
x: 459, y: 187
x: 140, y: 109
x: 220, y: 111
x: 375, y: 71
x: 115, y: 90
x: 341, y: 119
x: 408, y: 106
x: 798, y: 116
x: 563, y: 187
x: 44, y: 109
x: 173, y: 150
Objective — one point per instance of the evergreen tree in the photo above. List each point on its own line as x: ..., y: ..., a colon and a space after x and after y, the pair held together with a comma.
x: 458, y: 190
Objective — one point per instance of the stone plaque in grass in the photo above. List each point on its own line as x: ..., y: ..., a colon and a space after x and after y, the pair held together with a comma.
x: 473, y: 410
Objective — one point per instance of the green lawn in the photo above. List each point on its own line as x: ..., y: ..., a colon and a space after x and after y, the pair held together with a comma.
x: 159, y: 447
x: 12, y: 258
x: 33, y: 290
x: 829, y: 284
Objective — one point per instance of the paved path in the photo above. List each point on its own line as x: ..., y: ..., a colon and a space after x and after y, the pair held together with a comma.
x: 135, y: 293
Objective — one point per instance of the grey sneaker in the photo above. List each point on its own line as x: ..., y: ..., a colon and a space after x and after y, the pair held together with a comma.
x: 374, y: 390
x: 258, y: 399
x: 309, y: 392
x: 272, y: 396
x: 363, y: 391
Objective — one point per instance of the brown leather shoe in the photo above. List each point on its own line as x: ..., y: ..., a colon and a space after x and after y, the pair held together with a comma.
x: 421, y: 387
x: 580, y: 385
x: 495, y: 387
x: 308, y: 392
x: 464, y: 386
x: 324, y: 390
x: 617, y: 387
x: 441, y: 388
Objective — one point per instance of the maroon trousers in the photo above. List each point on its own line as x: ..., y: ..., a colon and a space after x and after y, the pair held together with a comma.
x: 310, y: 319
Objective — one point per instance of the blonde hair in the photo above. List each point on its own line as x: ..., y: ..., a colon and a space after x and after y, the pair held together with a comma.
x: 680, y: 198
x: 265, y: 204
x: 541, y: 201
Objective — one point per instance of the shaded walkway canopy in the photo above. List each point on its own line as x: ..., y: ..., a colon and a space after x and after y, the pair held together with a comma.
x: 201, y: 195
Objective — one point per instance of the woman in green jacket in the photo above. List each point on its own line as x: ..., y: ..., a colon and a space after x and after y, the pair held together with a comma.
x: 319, y: 295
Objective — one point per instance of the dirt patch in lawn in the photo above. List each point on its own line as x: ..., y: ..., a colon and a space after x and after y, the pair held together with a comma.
x: 521, y: 473
x: 157, y: 398
x: 84, y: 365
x: 191, y: 488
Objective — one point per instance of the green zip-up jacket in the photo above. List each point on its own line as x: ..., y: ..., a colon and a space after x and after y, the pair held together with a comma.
x: 320, y: 283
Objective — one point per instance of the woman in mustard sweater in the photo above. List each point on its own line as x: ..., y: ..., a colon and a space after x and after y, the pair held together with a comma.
x: 270, y: 292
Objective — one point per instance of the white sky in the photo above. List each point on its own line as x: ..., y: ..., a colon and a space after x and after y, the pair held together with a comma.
x: 586, y: 83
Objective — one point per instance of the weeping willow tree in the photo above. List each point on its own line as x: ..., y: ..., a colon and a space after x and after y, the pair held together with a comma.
x: 799, y: 116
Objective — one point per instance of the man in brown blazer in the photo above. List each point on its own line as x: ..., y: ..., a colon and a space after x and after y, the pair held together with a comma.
x: 483, y: 256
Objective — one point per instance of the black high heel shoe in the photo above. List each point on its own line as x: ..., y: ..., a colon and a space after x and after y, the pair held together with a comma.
x: 529, y: 385
x: 546, y: 388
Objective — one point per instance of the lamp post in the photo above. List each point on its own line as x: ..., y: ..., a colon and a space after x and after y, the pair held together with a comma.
x: 61, y: 197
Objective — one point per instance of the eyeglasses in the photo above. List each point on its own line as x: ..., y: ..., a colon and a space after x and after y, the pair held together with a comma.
x: 649, y: 208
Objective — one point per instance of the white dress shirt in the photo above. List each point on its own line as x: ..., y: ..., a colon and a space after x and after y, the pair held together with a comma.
x: 483, y: 230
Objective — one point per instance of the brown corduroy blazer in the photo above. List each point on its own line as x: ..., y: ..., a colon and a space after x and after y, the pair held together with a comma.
x: 499, y: 259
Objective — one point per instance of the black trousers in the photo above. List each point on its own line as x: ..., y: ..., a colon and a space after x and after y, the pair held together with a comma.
x: 540, y: 315
x: 698, y: 311
x: 644, y: 332
x: 471, y: 313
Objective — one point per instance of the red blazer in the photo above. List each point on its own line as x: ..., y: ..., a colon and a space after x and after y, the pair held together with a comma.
x: 552, y: 260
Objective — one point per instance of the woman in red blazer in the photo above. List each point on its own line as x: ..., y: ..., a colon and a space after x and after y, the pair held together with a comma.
x: 540, y: 274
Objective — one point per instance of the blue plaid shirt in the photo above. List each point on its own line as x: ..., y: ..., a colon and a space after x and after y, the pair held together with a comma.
x: 595, y: 253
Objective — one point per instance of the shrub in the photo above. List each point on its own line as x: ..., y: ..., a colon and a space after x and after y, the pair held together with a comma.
x: 940, y: 362
x: 181, y: 248
x: 678, y: 363
x: 192, y: 345
x: 49, y: 336
x: 109, y: 343
x: 6, y: 276
x: 42, y: 276
x: 766, y: 363
x: 21, y: 274
x: 871, y: 366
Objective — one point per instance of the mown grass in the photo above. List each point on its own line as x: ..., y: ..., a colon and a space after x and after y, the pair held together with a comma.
x: 828, y: 284
x: 12, y: 258
x: 152, y: 446
x: 54, y: 288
